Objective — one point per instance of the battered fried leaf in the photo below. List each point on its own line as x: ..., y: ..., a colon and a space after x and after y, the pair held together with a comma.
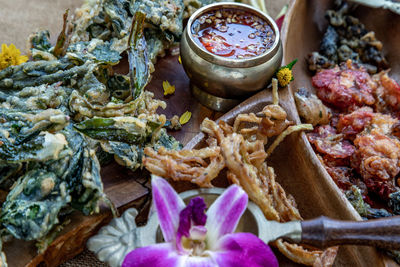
x: 39, y: 97
x: 131, y: 156
x: 129, y: 130
x: 71, y: 180
x: 144, y: 104
x: 157, y: 42
x: 167, y: 15
x: 119, y: 86
x: 32, y: 74
x: 96, y: 50
x: 32, y: 207
x: 40, y: 40
x: 139, y: 70
x: 108, y: 20
x: 28, y: 135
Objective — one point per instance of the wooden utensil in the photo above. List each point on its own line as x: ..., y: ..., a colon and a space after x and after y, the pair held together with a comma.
x: 323, y: 232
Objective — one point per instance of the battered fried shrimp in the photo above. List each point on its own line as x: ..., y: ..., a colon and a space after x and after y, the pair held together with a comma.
x: 196, y: 166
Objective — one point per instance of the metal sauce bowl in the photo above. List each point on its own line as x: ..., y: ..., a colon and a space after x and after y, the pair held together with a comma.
x: 221, y: 83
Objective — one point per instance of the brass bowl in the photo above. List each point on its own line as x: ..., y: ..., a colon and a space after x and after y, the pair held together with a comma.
x: 221, y: 83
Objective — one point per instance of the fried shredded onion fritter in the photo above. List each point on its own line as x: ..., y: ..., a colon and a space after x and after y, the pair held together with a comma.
x: 241, y: 150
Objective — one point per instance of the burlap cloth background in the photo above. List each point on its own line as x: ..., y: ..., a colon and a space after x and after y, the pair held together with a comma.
x: 19, y: 18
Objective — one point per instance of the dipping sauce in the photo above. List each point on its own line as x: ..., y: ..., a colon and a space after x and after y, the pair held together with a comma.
x: 233, y: 33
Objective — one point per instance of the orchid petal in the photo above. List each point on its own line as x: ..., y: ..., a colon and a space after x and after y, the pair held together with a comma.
x: 191, y: 261
x: 243, y: 250
x: 224, y: 214
x: 163, y: 254
x: 168, y: 205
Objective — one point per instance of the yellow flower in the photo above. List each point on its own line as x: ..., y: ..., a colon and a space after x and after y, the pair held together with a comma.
x: 168, y: 88
x: 185, y: 117
x: 284, y: 76
x: 11, y: 56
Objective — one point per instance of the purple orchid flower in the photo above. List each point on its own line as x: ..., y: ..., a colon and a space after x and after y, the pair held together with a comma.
x: 195, y: 238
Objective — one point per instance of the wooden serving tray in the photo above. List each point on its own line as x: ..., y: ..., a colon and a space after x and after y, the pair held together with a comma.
x: 294, y: 161
x: 304, y: 28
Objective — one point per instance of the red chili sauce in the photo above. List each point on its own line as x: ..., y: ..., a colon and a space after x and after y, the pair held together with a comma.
x: 233, y: 33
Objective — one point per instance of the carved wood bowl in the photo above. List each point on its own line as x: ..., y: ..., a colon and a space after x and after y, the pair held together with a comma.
x: 297, y: 166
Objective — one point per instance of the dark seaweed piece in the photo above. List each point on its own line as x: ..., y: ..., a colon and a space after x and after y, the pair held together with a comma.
x: 329, y: 44
x: 345, y: 52
x: 316, y: 61
x: 139, y: 70
x: 355, y: 197
x: 395, y: 254
x: 394, y: 202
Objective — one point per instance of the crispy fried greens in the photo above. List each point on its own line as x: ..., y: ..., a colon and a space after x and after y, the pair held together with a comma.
x: 66, y: 106
x: 241, y: 150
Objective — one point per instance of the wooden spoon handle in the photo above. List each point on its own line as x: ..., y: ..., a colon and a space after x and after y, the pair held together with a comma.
x: 323, y: 232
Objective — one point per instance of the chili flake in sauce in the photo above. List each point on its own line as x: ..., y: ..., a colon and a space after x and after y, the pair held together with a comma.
x: 233, y: 33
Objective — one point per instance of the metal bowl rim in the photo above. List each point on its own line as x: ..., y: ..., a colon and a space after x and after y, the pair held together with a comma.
x: 229, y: 62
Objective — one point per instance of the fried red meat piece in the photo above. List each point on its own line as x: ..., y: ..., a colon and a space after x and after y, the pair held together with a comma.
x: 355, y: 122
x: 328, y: 142
x: 345, y: 87
x: 341, y: 176
x: 377, y: 160
x: 388, y: 91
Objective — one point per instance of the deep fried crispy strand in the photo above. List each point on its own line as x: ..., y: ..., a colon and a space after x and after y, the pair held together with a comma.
x: 246, y: 175
x: 297, y: 253
x: 284, y: 205
x: 250, y: 118
x: 275, y: 95
x: 288, y: 131
x: 186, y: 165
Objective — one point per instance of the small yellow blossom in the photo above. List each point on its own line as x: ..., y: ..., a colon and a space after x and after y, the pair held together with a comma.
x: 168, y: 88
x: 185, y: 117
x: 284, y: 76
x: 11, y: 56
x: 180, y: 60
